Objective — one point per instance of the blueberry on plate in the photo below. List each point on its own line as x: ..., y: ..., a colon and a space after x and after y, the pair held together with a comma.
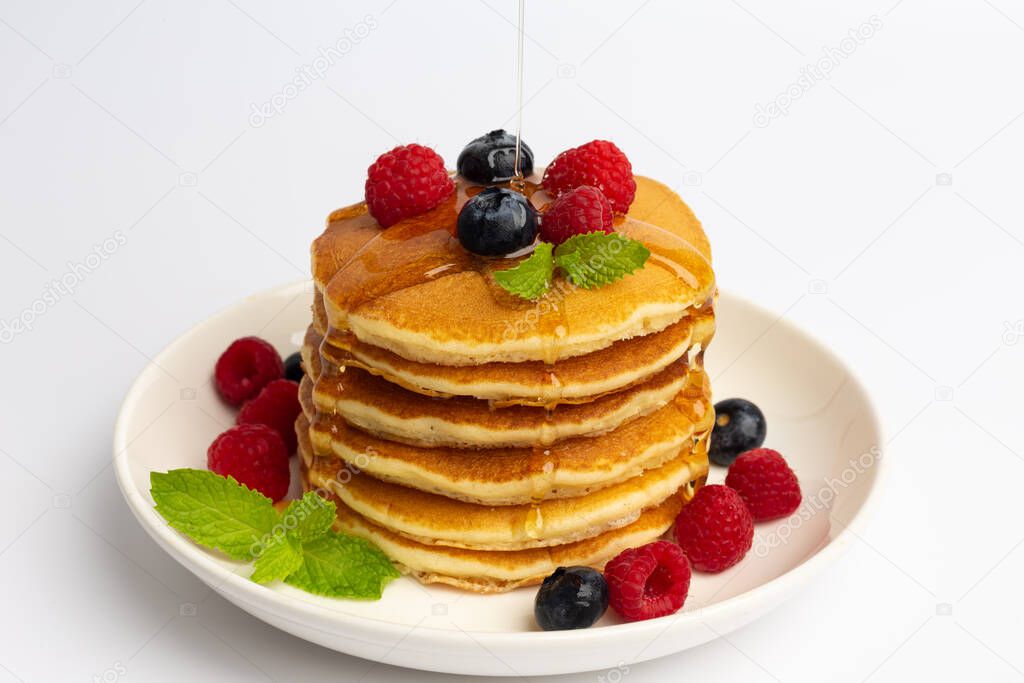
x: 491, y: 158
x: 572, y: 597
x: 739, y: 427
x: 293, y: 367
x: 497, y: 221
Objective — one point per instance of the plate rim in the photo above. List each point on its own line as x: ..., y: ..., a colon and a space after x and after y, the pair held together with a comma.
x: 186, y: 552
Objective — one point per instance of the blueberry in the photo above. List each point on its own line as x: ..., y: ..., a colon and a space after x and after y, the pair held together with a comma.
x: 293, y: 367
x: 572, y: 597
x: 497, y: 221
x: 739, y: 427
x: 491, y: 159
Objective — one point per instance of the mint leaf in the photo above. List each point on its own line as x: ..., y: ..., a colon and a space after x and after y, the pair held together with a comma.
x: 532, y: 277
x: 214, y: 511
x: 309, y: 517
x: 297, y: 546
x: 342, y: 566
x: 595, y: 259
x: 280, y: 557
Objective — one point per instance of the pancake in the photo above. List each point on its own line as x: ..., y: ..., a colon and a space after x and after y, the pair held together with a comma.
x: 437, y: 520
x: 486, y: 571
x: 414, y: 291
x: 574, y: 380
x: 376, y: 406
x: 509, y: 476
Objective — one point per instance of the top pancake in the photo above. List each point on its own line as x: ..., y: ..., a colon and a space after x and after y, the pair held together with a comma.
x: 414, y: 291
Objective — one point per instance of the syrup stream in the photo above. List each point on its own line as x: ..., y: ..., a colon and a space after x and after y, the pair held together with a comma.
x: 519, y: 85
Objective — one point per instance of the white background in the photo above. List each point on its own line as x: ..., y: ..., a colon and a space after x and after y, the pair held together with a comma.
x: 135, y: 120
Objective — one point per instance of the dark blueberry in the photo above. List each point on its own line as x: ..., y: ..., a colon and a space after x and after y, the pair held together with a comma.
x: 491, y: 159
x: 572, y: 597
x: 497, y: 221
x: 739, y: 427
x: 293, y: 367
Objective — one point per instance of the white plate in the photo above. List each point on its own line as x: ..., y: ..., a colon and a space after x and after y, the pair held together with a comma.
x: 819, y: 416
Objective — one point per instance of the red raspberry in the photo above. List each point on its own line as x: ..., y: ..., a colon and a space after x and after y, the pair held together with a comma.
x: 407, y: 181
x: 576, y: 212
x: 599, y: 163
x: 247, y: 366
x: 276, y: 406
x: 715, y: 529
x: 766, y: 484
x: 253, y: 454
x: 649, y: 581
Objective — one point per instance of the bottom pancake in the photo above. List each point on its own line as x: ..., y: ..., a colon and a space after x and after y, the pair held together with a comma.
x: 483, y: 571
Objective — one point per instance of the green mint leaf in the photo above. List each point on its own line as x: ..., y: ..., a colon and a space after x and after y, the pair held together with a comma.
x: 532, y: 277
x: 214, y: 511
x: 309, y: 516
x: 280, y: 557
x: 343, y: 566
x: 596, y: 259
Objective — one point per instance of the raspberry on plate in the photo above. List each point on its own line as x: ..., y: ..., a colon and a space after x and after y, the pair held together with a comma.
x: 578, y: 211
x: 599, y: 163
x: 276, y: 406
x: 648, y: 582
x: 255, y: 455
x: 407, y: 181
x: 247, y: 366
x: 715, y: 529
x: 766, y: 483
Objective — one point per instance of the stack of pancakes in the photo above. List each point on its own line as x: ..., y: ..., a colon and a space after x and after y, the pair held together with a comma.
x: 482, y: 440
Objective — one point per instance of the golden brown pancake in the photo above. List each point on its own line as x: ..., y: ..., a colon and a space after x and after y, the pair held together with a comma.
x: 376, y: 406
x: 413, y: 290
x: 574, y: 380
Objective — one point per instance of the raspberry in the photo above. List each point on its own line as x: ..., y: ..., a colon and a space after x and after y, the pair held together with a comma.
x: 407, y: 181
x: 276, y: 406
x: 766, y: 484
x: 578, y: 211
x: 715, y: 529
x: 599, y: 163
x: 245, y: 368
x: 253, y: 454
x: 649, y: 581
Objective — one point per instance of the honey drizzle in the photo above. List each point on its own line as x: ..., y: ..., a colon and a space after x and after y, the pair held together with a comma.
x: 520, y: 33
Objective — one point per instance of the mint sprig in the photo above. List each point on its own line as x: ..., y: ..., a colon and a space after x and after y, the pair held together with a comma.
x: 297, y: 546
x: 588, y: 260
